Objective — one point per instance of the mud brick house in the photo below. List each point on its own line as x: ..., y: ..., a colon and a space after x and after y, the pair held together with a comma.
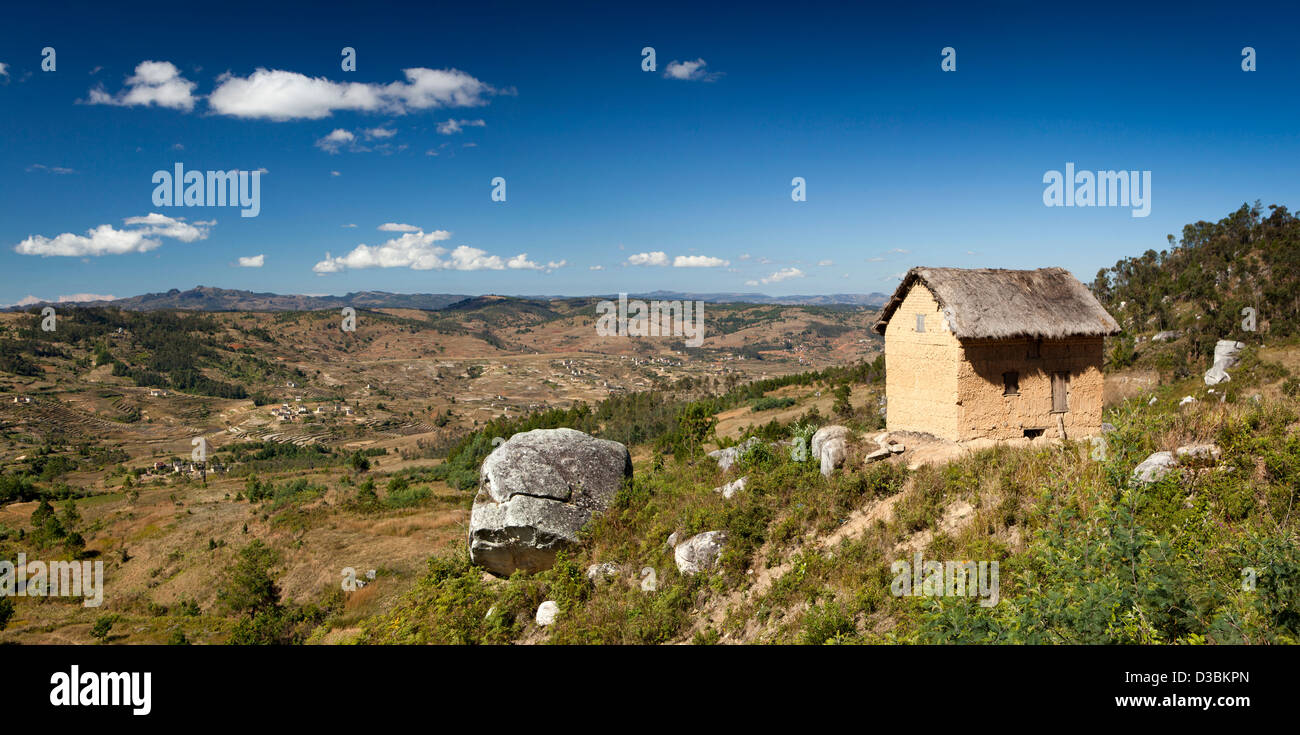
x: 985, y: 353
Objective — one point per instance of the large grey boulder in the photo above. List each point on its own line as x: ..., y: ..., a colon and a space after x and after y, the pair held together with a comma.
x: 1154, y: 468
x: 536, y: 491
x: 833, y: 452
x: 825, y: 434
x: 700, y: 552
x: 829, y: 447
x: 1225, y: 356
x: 727, y: 457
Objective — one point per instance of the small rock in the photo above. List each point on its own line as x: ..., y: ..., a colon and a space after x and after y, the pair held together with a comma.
x: 699, y: 552
x: 603, y: 572
x: 878, y: 455
x: 1186, y: 400
x: 672, y: 540
x: 1200, y: 451
x: 547, y: 612
x: 896, y: 448
x: 1154, y: 468
x: 1152, y: 402
x: 732, y: 487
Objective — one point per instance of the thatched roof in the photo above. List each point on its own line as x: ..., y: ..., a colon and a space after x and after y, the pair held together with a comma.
x: 991, y: 303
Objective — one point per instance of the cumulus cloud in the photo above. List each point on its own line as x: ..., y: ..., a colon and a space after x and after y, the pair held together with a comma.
x: 154, y: 83
x: 279, y: 95
x: 379, y: 132
x: 656, y: 258
x: 335, y: 140
x: 140, y: 235
x: 451, y: 127
x: 252, y: 261
x: 521, y: 262
x: 698, y: 261
x: 4, y: 70
x: 420, y: 251
x: 784, y: 274
x: 690, y: 71
x: 396, y: 227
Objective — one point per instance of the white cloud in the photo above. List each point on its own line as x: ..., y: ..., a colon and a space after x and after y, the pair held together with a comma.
x: 744, y: 256
x: 419, y: 251
x: 782, y: 275
x: 698, y: 261
x: 656, y: 258
x: 280, y: 95
x: 254, y: 261
x: 335, y: 173
x: 396, y: 227
x: 350, y: 225
x: 876, y: 259
x: 108, y: 240
x: 899, y: 251
x: 379, y: 132
x: 154, y: 83
x: 825, y: 263
x: 453, y: 126
x: 4, y: 70
x: 596, y: 268
x: 521, y: 262
x: 335, y: 140
x: 60, y: 170
x: 690, y: 71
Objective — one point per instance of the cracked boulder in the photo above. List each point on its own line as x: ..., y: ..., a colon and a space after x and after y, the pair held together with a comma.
x: 536, y: 492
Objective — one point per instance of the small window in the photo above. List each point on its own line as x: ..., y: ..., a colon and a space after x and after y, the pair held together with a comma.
x: 1011, y: 383
x: 1035, y: 349
x: 920, y: 322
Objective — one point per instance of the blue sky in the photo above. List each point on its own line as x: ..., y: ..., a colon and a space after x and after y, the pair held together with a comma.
x: 904, y: 164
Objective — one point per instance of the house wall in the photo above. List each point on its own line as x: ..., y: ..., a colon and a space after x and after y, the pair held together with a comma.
x: 987, y: 413
x: 921, y: 368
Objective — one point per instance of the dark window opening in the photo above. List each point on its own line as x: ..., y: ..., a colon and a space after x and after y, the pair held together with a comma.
x: 1035, y: 349
x: 1011, y: 383
x: 1033, y: 433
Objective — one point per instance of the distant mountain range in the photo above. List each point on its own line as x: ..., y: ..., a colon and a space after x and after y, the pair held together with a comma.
x: 207, y: 298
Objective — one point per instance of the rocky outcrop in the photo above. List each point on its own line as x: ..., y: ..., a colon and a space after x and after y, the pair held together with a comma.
x: 700, y: 552
x: 1154, y: 468
x: 536, y: 491
x: 1225, y: 356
